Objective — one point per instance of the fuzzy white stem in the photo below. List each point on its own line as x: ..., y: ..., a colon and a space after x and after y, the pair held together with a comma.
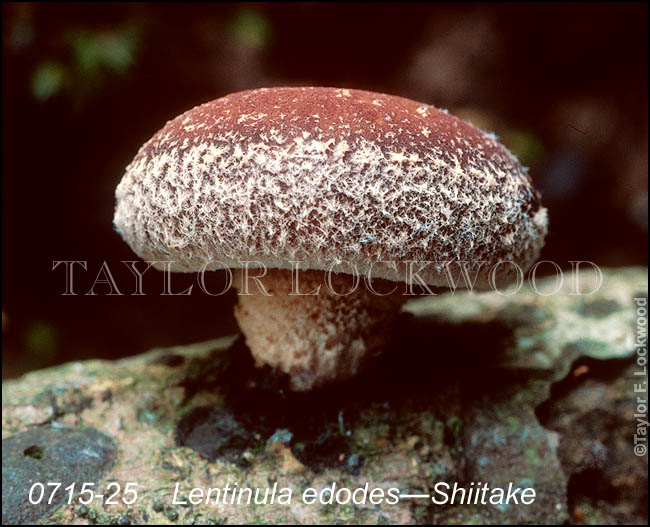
x: 319, y: 338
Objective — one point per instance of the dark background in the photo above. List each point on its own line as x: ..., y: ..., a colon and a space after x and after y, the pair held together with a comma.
x: 565, y: 87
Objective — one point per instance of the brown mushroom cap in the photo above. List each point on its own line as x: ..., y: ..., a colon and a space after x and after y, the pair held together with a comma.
x: 324, y: 175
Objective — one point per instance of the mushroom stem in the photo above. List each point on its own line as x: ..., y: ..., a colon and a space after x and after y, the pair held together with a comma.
x: 320, y: 337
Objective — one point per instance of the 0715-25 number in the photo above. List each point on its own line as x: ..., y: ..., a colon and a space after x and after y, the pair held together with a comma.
x: 87, y: 494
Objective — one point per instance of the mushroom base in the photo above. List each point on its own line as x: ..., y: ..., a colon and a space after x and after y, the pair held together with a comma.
x: 315, y: 338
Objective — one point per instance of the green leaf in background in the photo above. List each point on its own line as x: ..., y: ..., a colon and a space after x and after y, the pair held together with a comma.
x: 47, y: 80
x: 41, y: 338
x: 528, y: 149
x: 113, y: 50
x: 251, y: 27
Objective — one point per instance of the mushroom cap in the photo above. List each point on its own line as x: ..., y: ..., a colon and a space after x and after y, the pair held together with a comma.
x: 337, y: 179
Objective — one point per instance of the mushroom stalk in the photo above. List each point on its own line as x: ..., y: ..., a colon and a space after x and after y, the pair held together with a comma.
x: 315, y: 326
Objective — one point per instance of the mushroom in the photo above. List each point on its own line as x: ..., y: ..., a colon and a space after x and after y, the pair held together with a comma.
x: 348, y: 183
